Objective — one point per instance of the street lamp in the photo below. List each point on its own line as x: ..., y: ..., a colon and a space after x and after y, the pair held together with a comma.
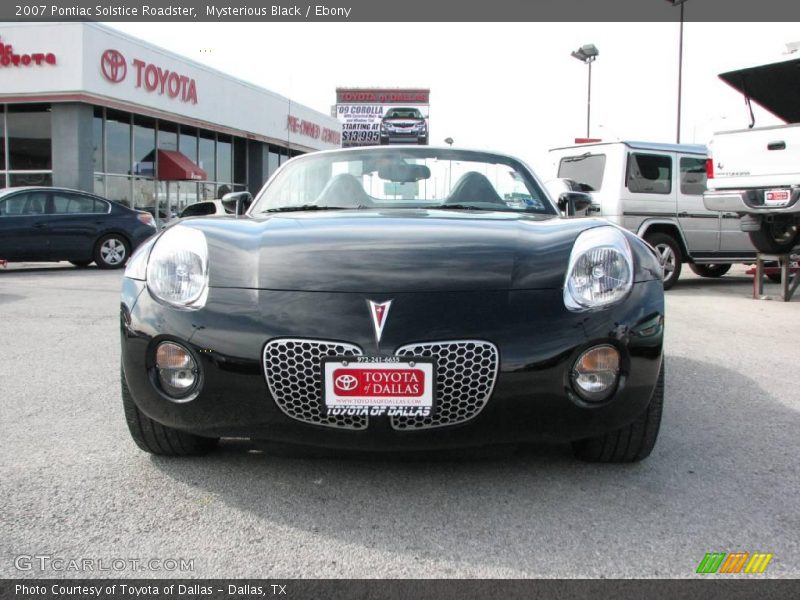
x: 587, y: 54
x: 449, y: 141
x: 680, y: 66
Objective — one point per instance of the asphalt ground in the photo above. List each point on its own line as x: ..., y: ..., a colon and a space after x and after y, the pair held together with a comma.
x: 722, y: 478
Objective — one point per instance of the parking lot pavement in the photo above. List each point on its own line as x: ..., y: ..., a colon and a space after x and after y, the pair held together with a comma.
x: 723, y: 476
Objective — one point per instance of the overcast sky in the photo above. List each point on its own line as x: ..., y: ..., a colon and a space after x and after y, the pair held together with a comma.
x: 511, y: 87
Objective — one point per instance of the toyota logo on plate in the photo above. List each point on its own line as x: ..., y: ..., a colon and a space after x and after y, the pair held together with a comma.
x: 113, y: 65
x: 345, y: 383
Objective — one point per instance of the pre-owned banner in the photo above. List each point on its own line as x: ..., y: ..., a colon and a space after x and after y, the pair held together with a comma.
x: 383, y: 116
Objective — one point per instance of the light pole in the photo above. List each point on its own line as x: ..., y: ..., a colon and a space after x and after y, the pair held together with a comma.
x: 680, y: 66
x: 449, y: 142
x: 587, y: 54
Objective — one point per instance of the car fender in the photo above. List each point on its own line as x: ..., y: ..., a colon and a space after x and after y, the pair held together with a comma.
x: 663, y: 223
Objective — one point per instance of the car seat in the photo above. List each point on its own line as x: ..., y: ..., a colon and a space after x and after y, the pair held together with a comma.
x: 345, y: 191
x: 473, y: 187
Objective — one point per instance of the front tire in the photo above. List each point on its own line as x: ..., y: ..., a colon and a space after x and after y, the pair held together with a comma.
x: 631, y: 443
x: 710, y: 270
x: 155, y: 438
x: 111, y: 251
x: 671, y: 256
x: 775, y: 237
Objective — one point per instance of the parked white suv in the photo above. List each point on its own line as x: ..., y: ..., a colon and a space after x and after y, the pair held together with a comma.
x: 656, y: 191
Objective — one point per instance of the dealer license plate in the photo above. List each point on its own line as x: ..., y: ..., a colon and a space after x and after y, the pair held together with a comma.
x: 378, y: 385
x: 776, y: 197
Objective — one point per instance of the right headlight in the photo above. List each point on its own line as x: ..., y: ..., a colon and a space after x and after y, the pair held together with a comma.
x: 600, y: 271
x: 177, y: 270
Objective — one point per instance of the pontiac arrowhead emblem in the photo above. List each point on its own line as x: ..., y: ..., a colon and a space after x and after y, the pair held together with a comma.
x: 379, y: 312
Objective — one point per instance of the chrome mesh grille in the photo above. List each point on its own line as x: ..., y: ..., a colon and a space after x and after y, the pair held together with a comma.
x: 292, y: 368
x: 465, y: 376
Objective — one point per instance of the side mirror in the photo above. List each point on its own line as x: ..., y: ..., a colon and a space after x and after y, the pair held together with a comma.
x: 573, y: 202
x: 242, y: 200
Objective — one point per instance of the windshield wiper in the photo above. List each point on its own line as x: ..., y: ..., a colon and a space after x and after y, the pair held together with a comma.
x: 306, y: 207
x: 465, y: 207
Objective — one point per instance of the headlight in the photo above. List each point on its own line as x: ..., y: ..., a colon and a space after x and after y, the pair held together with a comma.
x: 600, y: 270
x: 177, y: 272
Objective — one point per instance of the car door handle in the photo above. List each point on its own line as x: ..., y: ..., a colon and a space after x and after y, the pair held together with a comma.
x: 779, y: 145
x: 683, y: 214
x: 39, y: 225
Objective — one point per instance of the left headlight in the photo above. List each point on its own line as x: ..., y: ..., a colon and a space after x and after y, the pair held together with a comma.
x: 600, y: 270
x: 177, y: 270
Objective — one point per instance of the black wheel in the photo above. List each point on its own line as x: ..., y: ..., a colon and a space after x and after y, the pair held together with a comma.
x: 710, y: 270
x: 156, y: 438
x: 671, y: 256
x: 81, y: 264
x: 632, y: 443
x: 774, y: 277
x: 111, y: 251
x: 776, y: 237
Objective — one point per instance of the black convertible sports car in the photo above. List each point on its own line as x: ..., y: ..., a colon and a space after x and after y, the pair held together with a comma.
x: 396, y: 298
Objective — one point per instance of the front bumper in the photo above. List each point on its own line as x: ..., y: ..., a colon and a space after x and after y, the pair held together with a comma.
x: 537, y: 340
x: 399, y: 137
x: 749, y: 201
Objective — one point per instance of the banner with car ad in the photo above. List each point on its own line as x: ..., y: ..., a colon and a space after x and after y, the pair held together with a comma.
x: 373, y: 117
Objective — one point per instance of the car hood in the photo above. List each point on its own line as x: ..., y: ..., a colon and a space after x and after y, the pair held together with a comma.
x: 390, y: 251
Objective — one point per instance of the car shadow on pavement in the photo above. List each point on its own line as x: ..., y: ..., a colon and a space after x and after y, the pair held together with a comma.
x: 729, y: 286
x: 723, y: 475
x: 51, y: 268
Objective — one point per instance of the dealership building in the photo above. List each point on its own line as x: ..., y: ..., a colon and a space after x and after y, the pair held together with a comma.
x: 87, y: 107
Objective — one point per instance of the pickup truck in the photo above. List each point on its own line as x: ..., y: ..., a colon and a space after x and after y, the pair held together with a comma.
x: 754, y: 173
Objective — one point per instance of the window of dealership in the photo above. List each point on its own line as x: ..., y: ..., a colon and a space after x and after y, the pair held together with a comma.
x: 129, y: 121
x: 125, y: 158
x: 25, y: 153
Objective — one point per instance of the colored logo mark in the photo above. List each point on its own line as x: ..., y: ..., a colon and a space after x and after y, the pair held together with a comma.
x: 734, y: 562
x: 113, y: 66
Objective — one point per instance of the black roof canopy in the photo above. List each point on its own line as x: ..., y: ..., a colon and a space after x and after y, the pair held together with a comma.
x: 775, y: 86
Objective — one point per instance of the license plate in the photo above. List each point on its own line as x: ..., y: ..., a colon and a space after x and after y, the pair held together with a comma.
x: 776, y: 197
x: 378, y: 385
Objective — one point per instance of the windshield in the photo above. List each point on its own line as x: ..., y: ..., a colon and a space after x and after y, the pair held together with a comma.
x: 393, y: 178
x: 403, y: 113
